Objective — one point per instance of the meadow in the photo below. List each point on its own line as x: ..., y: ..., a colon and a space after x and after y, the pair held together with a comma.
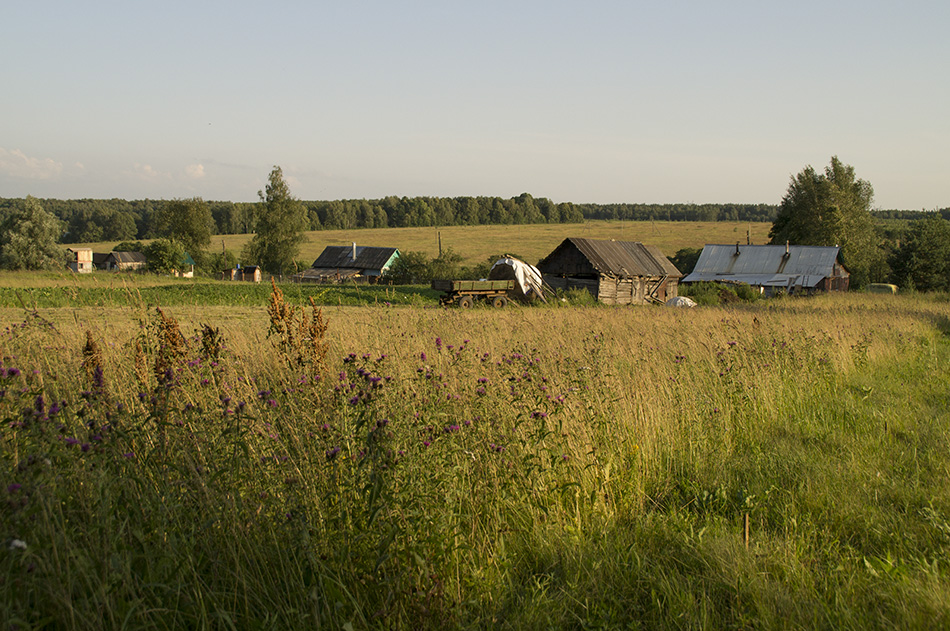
x: 532, y: 242
x: 775, y: 465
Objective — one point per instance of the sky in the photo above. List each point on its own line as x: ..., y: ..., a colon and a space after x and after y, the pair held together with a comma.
x: 586, y: 102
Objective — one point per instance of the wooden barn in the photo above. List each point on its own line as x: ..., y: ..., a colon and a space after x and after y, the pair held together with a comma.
x: 121, y: 261
x: 614, y: 272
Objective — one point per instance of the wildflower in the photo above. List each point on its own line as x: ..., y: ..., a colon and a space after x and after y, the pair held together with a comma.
x: 272, y: 403
x: 17, y: 544
x: 128, y: 454
x: 13, y: 488
x: 85, y: 447
x: 422, y: 356
x: 71, y: 441
x: 438, y: 342
x: 332, y: 453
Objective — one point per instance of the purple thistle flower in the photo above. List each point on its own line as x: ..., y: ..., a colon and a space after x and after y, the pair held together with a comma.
x: 98, y: 380
x: 272, y: 403
x: 13, y: 488
x: 86, y: 447
x: 422, y: 356
x: 438, y: 342
x: 71, y: 441
x: 332, y: 453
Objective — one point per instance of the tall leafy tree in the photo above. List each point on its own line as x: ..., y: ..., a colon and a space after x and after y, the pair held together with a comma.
x: 923, y: 259
x: 164, y: 256
x: 280, y: 227
x: 28, y: 237
x: 832, y: 208
x: 188, y: 221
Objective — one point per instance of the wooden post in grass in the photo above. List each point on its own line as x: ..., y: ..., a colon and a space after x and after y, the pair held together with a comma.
x: 745, y: 536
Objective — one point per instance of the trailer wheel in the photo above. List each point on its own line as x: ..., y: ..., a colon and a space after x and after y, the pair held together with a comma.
x: 499, y: 302
x: 466, y: 302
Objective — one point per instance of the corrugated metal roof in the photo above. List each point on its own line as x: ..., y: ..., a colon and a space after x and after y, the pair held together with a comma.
x: 367, y: 258
x: 621, y: 258
x: 766, y: 265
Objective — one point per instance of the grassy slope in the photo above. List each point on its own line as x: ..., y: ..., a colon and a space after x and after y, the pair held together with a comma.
x: 477, y: 243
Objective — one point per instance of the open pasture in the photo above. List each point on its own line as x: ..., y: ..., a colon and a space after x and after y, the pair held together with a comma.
x: 781, y: 465
x: 476, y: 243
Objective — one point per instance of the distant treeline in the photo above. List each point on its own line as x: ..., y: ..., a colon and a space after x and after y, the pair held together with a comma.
x: 92, y: 220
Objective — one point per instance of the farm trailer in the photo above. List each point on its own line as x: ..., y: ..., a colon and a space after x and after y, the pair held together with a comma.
x: 464, y: 293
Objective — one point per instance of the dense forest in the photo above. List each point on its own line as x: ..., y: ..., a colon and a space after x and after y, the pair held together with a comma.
x: 92, y: 220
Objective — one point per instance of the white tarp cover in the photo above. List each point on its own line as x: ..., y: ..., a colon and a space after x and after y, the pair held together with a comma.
x: 680, y: 301
x: 527, y: 277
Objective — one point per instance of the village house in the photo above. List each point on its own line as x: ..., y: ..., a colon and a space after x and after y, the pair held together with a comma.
x: 358, y: 263
x: 80, y: 260
x: 187, y: 268
x: 773, y: 268
x: 614, y: 272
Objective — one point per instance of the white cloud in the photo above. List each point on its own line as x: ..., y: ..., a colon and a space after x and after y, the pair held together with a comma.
x: 196, y: 171
x: 17, y: 164
x: 145, y: 171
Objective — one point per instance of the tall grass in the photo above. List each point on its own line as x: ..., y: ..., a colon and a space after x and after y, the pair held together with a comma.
x: 523, y: 468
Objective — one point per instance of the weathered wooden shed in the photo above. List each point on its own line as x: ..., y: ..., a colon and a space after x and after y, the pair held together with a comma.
x: 614, y: 272
x: 123, y: 261
x: 248, y: 273
x: 338, y: 263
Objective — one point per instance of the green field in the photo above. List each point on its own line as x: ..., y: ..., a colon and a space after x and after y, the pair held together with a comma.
x: 776, y: 465
x: 533, y: 242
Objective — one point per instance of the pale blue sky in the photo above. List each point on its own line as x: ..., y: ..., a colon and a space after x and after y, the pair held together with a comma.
x: 675, y: 101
